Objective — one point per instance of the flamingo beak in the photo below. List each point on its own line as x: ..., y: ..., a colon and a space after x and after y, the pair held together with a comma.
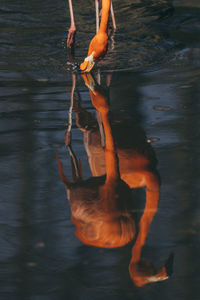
x: 88, y: 63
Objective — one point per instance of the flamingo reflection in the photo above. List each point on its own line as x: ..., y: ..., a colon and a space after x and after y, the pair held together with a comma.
x: 101, y: 205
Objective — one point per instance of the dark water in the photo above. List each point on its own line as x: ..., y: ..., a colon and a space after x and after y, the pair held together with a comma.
x: 155, y: 66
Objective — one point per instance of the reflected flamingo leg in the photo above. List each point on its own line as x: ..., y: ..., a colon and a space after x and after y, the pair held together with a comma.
x: 113, y: 17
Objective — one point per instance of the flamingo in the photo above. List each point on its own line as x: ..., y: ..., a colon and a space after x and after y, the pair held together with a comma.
x: 98, y: 45
x: 100, y: 205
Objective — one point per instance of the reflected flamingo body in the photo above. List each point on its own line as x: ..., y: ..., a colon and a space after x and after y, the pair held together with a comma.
x: 100, y: 205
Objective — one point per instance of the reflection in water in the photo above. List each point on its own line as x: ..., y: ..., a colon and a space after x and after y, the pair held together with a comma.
x: 39, y: 256
x: 102, y: 206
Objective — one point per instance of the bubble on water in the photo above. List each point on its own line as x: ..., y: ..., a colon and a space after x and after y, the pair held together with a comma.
x: 72, y: 66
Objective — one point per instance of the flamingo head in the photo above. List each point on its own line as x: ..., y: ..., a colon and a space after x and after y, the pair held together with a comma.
x: 88, y: 63
x: 89, y: 82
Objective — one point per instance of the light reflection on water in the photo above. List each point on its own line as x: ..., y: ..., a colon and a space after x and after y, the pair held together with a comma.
x: 39, y: 255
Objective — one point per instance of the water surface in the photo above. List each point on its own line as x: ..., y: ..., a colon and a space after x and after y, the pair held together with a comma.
x: 155, y: 83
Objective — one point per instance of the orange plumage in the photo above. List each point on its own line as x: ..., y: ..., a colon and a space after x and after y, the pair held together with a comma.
x: 99, y: 44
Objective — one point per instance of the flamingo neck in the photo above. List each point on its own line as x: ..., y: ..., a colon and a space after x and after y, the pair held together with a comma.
x: 105, y: 15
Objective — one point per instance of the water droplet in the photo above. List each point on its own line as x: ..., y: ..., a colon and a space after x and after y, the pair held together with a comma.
x: 31, y: 264
x: 153, y: 139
